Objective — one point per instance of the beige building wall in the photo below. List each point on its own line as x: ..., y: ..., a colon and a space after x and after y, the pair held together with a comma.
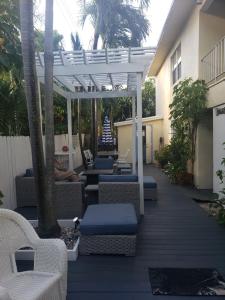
x: 189, y: 40
x: 219, y: 148
x: 125, y: 140
x: 163, y: 97
x: 211, y: 30
x: 154, y: 130
x: 204, y: 154
x: 195, y: 43
x: 216, y: 94
x: 157, y: 133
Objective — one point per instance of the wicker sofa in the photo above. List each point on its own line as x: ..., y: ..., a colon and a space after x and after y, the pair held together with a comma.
x: 111, y: 190
x: 68, y: 196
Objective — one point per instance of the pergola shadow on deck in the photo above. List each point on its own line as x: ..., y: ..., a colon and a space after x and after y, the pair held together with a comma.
x: 175, y: 232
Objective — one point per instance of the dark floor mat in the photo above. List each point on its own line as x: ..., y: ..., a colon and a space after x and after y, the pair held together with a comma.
x: 186, y: 282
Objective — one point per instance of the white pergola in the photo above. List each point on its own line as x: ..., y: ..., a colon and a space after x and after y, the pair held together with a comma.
x: 97, y: 74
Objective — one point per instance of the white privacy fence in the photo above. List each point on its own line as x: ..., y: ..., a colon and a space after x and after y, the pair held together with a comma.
x: 15, y: 158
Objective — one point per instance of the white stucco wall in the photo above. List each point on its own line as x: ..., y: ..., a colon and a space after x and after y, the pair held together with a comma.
x: 218, y: 147
x: 216, y: 94
x: 163, y: 97
x: 200, y: 34
x: 204, y: 154
x: 153, y: 134
x: 190, y: 46
x: 211, y: 30
x: 189, y: 39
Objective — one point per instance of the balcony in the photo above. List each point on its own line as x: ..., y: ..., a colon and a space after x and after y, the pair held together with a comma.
x: 213, y: 64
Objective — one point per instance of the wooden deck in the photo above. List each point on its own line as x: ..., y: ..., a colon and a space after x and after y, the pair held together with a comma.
x: 175, y: 232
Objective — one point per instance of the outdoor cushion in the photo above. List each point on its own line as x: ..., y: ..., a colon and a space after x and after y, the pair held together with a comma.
x: 118, y: 178
x: 103, y: 219
x: 103, y: 163
x: 149, y: 182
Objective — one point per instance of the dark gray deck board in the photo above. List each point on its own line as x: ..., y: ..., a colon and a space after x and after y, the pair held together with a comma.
x: 175, y: 232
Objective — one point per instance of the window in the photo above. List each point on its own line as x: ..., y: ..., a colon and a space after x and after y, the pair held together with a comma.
x: 176, y: 64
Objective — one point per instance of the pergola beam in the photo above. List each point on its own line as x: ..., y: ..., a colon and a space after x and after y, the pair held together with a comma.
x: 93, y: 69
x: 56, y: 88
x: 96, y: 83
x: 82, y: 82
x: 90, y: 95
x: 65, y: 83
x: 111, y: 80
x: 102, y: 94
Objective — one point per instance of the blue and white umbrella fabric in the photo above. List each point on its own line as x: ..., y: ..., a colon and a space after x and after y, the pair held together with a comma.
x: 107, y: 135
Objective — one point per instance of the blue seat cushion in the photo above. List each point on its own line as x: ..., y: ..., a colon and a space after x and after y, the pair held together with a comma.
x: 149, y: 182
x: 115, y: 219
x: 103, y: 163
x: 118, y: 178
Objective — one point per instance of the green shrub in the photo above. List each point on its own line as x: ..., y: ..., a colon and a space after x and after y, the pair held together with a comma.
x: 178, y: 156
x: 186, y: 111
x: 163, y: 155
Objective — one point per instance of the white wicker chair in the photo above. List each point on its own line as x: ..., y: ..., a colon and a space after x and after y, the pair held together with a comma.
x: 48, y: 280
x: 123, y: 157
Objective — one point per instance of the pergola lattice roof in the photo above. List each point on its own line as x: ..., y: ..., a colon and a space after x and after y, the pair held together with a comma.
x: 107, y: 73
x: 97, y: 73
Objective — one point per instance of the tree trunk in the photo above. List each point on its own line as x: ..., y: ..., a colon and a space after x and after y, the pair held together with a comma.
x: 93, y: 101
x: 193, y: 148
x: 96, y: 38
x: 93, y: 127
x: 50, y: 227
x: 80, y: 134
x: 34, y: 117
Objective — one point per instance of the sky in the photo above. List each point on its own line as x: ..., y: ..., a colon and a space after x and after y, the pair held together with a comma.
x: 67, y: 15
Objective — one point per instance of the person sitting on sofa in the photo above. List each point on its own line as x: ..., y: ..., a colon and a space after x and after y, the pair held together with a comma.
x: 62, y: 174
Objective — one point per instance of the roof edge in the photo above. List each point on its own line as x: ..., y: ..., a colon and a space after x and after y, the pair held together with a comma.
x: 129, y: 122
x: 179, y: 13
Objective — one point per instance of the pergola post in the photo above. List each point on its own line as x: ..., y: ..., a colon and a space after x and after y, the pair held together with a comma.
x: 140, y: 141
x: 134, y: 155
x: 70, y: 137
x: 40, y: 106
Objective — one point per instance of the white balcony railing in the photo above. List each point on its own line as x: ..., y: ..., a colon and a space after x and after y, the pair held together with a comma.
x: 213, y: 64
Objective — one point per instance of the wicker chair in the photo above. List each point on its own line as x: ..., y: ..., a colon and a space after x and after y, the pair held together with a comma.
x: 123, y: 157
x: 68, y: 196
x: 48, y: 280
x: 120, y: 192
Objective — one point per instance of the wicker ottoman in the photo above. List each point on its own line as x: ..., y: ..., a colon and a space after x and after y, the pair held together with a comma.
x: 150, y: 188
x: 108, y: 229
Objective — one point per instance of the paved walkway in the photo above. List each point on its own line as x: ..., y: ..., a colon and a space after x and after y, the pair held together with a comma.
x: 175, y: 232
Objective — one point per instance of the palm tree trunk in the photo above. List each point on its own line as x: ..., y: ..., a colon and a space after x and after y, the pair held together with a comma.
x: 96, y: 38
x: 94, y: 101
x: 50, y: 226
x: 80, y: 133
x: 31, y: 91
x: 93, y: 127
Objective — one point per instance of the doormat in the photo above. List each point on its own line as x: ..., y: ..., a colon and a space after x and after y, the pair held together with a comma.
x: 186, y: 282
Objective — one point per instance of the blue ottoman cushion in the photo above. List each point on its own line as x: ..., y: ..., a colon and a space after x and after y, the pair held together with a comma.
x: 118, y: 178
x: 103, y: 163
x: 149, y: 182
x: 115, y: 219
